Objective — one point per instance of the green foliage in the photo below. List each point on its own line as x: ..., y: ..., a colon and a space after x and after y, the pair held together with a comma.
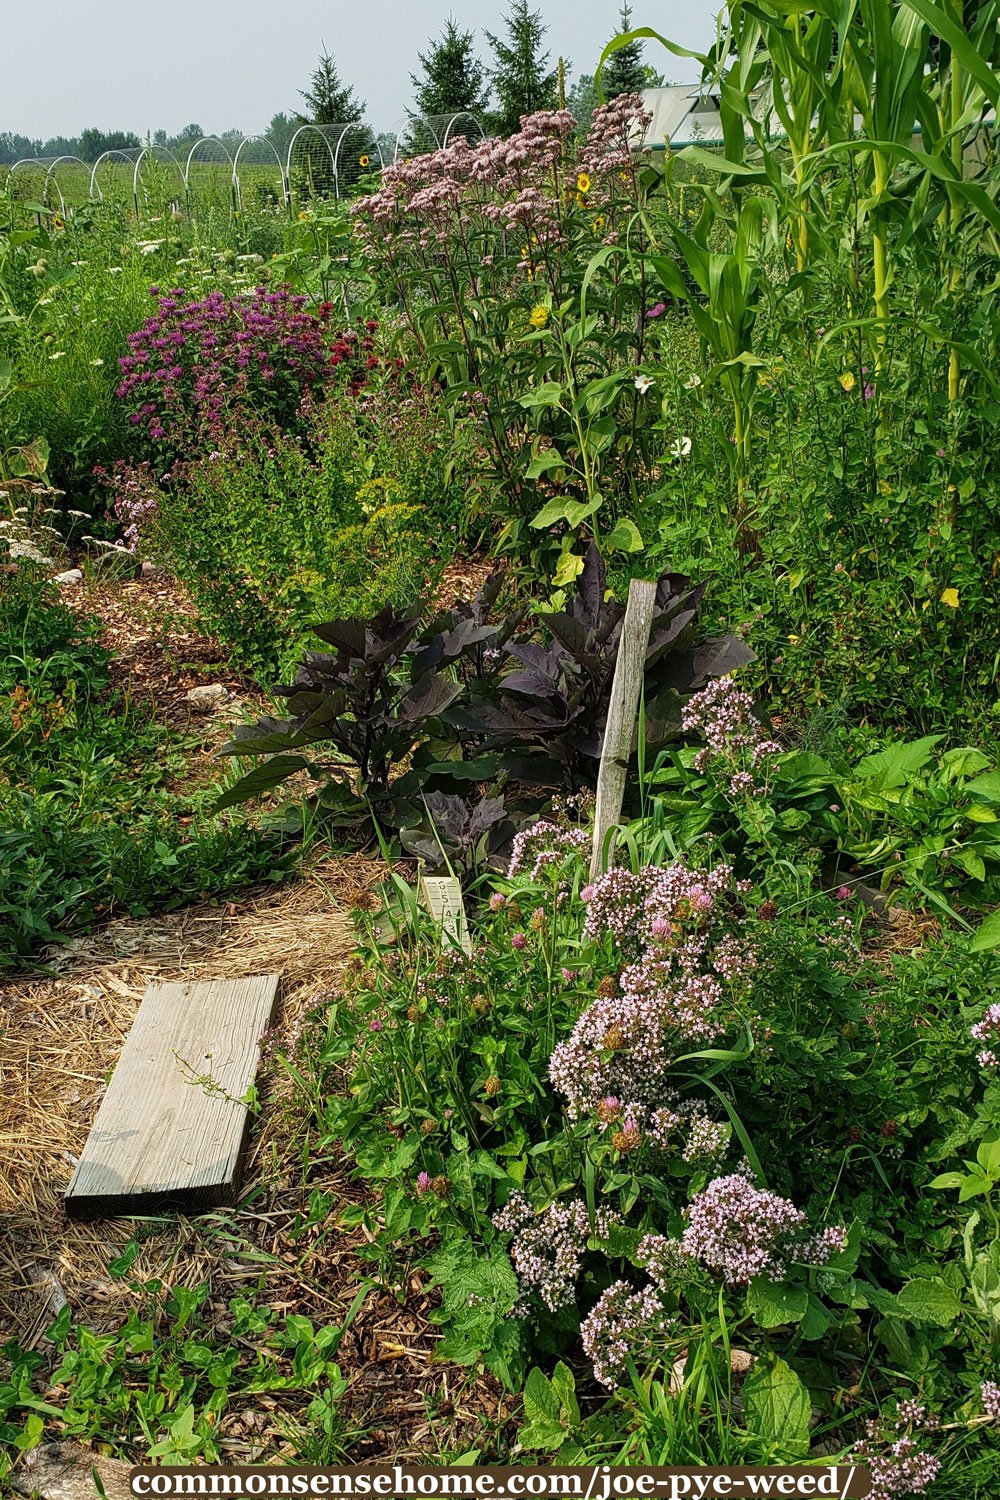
x: 518, y: 73
x: 852, y: 1091
x: 624, y: 72
x: 453, y: 80
x: 272, y: 536
x: 158, y: 1388
x: 328, y: 100
x: 89, y: 820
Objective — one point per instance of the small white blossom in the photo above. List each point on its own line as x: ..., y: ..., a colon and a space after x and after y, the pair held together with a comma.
x: 643, y: 383
x: 680, y: 447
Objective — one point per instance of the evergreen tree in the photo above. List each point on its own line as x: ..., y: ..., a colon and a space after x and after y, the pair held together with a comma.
x: 454, y: 80
x: 519, y: 77
x: 624, y: 72
x: 330, y: 101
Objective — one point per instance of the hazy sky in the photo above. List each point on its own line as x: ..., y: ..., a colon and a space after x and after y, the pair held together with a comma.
x: 132, y: 65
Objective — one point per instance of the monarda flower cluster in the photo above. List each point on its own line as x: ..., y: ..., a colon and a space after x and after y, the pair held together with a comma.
x: 738, y: 1231
x: 196, y: 359
x: 547, y: 1249
x: 677, y: 924
x: 735, y: 740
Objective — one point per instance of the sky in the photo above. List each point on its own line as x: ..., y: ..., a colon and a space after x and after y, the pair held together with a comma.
x: 132, y: 65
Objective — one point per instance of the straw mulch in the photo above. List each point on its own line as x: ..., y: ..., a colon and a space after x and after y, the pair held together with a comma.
x: 63, y: 1035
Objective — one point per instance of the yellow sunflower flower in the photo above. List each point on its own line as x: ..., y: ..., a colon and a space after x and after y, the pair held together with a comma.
x: 363, y: 161
x: 582, y: 183
x: 539, y: 316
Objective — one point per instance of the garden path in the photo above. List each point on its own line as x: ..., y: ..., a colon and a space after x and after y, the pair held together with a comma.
x: 64, y: 1032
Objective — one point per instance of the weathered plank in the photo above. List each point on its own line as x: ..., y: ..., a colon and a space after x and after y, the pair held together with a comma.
x: 66, y: 1471
x: 171, y: 1130
x: 442, y: 896
x: 625, y: 689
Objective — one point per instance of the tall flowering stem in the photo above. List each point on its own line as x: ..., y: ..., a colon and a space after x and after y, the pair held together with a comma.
x: 510, y: 260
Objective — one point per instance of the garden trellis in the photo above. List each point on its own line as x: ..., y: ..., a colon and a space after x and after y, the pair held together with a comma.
x: 231, y: 169
x: 422, y: 133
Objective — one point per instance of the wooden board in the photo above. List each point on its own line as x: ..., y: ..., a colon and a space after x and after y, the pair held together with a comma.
x: 442, y: 896
x: 630, y: 669
x: 171, y: 1130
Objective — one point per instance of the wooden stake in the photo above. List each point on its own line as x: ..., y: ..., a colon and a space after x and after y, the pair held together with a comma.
x: 629, y: 671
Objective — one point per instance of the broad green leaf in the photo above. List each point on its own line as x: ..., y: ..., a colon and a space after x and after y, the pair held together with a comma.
x: 987, y: 787
x: 261, y: 779
x: 816, y: 1321
x: 987, y: 935
x: 625, y: 537
x: 568, y: 567
x: 892, y: 766
x: 542, y: 463
x: 549, y: 394
x: 929, y: 1300
x: 773, y: 1303
x: 949, y: 1180
x: 777, y: 1407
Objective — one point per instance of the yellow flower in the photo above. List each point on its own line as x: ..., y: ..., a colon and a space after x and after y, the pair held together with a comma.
x: 539, y: 316
x: 950, y: 597
x: 582, y: 183
x: 847, y: 380
x: 303, y: 215
x: 793, y: 640
x: 597, y: 223
x: 363, y: 161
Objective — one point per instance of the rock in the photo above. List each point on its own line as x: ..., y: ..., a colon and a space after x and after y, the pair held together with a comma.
x: 150, y: 570
x: 65, y: 1471
x: 207, y: 697
x: 71, y: 576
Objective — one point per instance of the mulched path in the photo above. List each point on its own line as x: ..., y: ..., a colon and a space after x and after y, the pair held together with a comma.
x: 160, y: 649
x: 63, y: 1034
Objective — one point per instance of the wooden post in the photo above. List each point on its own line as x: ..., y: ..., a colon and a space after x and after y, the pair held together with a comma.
x: 442, y: 896
x: 629, y: 671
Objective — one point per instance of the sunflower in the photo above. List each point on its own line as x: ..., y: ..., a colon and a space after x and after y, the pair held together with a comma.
x: 539, y: 316
x: 582, y: 183
x: 363, y: 161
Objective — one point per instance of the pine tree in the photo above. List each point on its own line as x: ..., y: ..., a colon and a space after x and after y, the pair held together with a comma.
x: 522, y: 85
x: 624, y: 71
x: 330, y: 101
x: 454, y: 80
